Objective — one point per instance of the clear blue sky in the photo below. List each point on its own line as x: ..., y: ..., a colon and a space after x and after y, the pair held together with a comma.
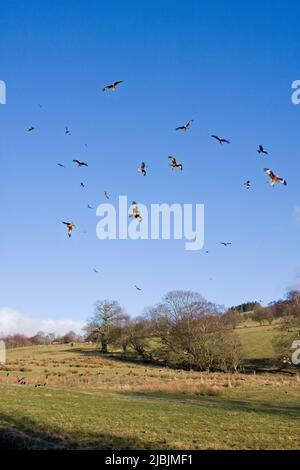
x: 229, y: 66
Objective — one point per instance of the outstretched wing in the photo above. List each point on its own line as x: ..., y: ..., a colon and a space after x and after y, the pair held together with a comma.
x: 282, y: 181
x: 270, y: 173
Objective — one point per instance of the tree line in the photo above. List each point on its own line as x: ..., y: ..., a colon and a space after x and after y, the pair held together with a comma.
x: 19, y: 340
x: 183, y: 330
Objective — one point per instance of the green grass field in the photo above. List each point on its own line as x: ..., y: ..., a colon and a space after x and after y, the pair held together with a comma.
x: 91, y: 401
x: 257, y: 345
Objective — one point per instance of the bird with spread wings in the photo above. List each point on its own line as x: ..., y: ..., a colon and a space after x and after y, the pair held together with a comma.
x: 80, y: 163
x: 174, y: 163
x: 262, y: 150
x: 135, y: 212
x: 185, y: 127
x: 70, y: 227
x: 221, y: 140
x: 274, y: 178
x: 112, y: 86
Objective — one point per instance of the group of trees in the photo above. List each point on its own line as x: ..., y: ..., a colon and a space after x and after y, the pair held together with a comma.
x: 19, y: 340
x: 289, y: 307
x: 288, y: 329
x: 245, y: 307
x: 183, y: 330
x: 286, y: 313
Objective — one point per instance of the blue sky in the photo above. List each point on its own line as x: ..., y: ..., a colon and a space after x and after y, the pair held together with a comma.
x: 227, y: 65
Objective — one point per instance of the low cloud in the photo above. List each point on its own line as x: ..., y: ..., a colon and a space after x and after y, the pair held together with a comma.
x: 12, y: 322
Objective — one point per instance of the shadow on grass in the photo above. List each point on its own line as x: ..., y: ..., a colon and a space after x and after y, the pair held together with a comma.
x: 264, y: 365
x: 23, y: 433
x: 261, y: 364
x: 224, y: 403
x: 130, y: 358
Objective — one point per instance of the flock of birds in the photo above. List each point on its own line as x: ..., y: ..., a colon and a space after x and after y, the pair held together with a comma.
x: 174, y: 164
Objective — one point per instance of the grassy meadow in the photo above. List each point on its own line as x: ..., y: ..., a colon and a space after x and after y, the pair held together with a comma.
x: 75, y: 398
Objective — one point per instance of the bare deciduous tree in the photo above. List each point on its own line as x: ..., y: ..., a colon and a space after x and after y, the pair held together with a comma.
x: 193, y: 333
x: 106, y: 321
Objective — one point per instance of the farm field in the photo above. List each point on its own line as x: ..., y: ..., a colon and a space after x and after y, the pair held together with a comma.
x: 73, y: 397
x: 256, y: 341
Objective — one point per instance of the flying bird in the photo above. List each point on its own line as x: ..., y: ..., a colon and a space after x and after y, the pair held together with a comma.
x: 82, y: 185
x: 61, y: 165
x: 95, y: 270
x: 67, y: 131
x: 274, y: 178
x: 112, y: 86
x: 137, y: 287
x: 174, y: 163
x: 70, y: 226
x: 247, y: 184
x: 220, y: 140
x: 30, y: 129
x: 142, y: 168
x: 90, y: 207
x: 79, y: 163
x: 135, y: 212
x: 185, y: 127
x: 262, y: 150
x: 226, y: 243
x: 106, y: 194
